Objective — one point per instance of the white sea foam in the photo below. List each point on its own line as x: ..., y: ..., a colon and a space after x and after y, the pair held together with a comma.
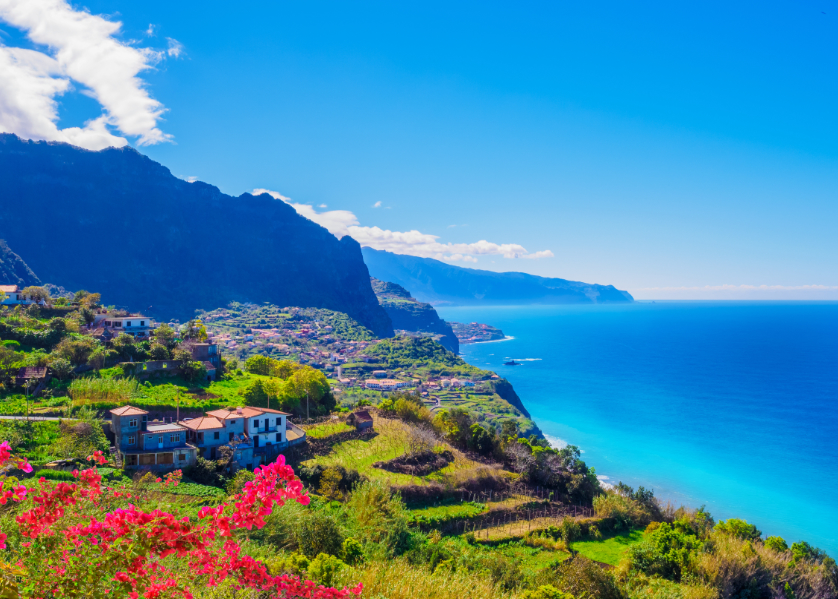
x: 507, y: 338
x: 555, y: 442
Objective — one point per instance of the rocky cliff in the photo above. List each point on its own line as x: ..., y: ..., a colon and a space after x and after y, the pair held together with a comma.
x: 13, y: 270
x: 411, y: 315
x: 440, y: 283
x: 119, y: 223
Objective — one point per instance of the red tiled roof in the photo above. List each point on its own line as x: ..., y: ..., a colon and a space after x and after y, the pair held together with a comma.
x: 202, y: 423
x: 8, y: 288
x: 128, y: 411
x: 247, y: 412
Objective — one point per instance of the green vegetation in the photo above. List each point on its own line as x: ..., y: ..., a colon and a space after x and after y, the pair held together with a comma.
x: 609, y: 550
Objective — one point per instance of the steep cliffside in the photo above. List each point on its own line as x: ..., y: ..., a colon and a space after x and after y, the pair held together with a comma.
x: 13, y: 270
x: 408, y: 314
x: 117, y: 222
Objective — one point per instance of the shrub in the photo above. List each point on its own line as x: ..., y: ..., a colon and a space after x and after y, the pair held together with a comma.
x: 546, y: 591
x: 627, y: 512
x: 324, y: 568
x: 580, y: 577
x: 777, y: 544
x: 739, y: 529
x: 318, y: 533
x: 379, y: 516
x: 239, y: 480
x: 352, y: 551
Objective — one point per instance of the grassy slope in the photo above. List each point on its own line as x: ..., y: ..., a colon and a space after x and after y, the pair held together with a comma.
x: 609, y: 550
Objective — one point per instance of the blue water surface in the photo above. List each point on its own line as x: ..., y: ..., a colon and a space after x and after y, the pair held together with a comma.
x: 732, y: 405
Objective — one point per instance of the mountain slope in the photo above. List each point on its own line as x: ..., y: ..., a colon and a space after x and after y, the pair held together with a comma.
x: 408, y: 314
x: 436, y: 282
x: 13, y: 270
x: 117, y: 222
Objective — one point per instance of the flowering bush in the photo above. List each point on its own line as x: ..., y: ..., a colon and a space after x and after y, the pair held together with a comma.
x: 86, y: 539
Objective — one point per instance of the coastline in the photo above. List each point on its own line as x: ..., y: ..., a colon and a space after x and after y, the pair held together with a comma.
x: 663, y: 395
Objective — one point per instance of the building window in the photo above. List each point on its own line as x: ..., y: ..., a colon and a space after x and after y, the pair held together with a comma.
x: 278, y: 421
x: 142, y: 323
x: 232, y: 435
x: 133, y: 422
x: 255, y: 424
x: 232, y: 422
x: 174, y: 438
x: 181, y: 457
x: 278, y: 437
x: 132, y: 439
x: 217, y: 436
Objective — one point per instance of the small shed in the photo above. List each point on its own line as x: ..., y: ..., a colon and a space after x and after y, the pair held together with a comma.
x: 361, y: 420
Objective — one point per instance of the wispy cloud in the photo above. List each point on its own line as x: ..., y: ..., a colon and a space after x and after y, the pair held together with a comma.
x: 377, y: 205
x: 82, y: 48
x: 175, y: 48
x: 776, y: 292
x: 414, y: 243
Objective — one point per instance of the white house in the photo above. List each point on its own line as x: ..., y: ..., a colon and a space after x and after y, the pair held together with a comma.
x: 137, y: 326
x: 14, y: 296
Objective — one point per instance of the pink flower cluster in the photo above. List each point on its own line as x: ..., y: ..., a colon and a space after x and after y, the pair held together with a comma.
x: 74, y: 538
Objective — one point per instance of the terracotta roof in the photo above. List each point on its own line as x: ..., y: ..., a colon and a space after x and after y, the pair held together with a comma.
x: 128, y: 411
x: 202, y: 423
x: 208, y: 365
x: 247, y: 412
x: 8, y: 288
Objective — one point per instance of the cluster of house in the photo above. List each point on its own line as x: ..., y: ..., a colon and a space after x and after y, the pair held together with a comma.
x: 253, y: 436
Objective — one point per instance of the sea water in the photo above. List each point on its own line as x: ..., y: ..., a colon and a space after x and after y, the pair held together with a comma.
x: 730, y: 405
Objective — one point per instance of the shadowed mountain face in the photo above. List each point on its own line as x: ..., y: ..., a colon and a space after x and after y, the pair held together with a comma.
x: 408, y: 314
x: 13, y: 270
x: 119, y: 223
x: 440, y: 283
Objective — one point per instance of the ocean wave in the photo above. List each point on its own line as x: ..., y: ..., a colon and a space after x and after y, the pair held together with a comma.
x: 525, y: 359
x: 507, y: 338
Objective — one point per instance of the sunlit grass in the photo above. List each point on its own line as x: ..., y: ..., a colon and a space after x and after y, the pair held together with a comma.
x: 609, y: 550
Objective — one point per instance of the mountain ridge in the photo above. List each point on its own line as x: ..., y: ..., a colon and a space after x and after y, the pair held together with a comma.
x: 439, y: 283
x: 121, y: 223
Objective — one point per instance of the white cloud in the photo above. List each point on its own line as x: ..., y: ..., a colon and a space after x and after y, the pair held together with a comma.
x: 150, y: 31
x: 414, y: 243
x: 82, y: 49
x: 175, y: 47
x: 322, y: 206
x: 191, y: 179
x: 377, y: 205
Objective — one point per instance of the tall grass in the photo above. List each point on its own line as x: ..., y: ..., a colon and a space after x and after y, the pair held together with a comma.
x: 397, y: 579
x: 102, y: 389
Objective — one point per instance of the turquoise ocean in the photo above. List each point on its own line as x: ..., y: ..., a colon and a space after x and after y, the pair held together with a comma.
x: 731, y: 405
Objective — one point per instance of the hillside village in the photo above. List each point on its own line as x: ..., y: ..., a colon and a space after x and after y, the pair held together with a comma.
x: 413, y: 460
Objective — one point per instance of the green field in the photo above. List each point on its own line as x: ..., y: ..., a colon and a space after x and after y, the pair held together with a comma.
x: 609, y: 550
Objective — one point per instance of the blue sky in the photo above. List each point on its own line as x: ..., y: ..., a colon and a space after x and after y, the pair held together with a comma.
x: 677, y: 151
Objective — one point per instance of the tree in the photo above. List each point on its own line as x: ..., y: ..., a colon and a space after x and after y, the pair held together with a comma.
x: 62, y: 369
x: 76, y: 349
x: 195, y: 331
x: 193, y: 371
x: 38, y: 294
x: 165, y: 335
x: 124, y: 345
x: 158, y: 351
x: 91, y: 300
